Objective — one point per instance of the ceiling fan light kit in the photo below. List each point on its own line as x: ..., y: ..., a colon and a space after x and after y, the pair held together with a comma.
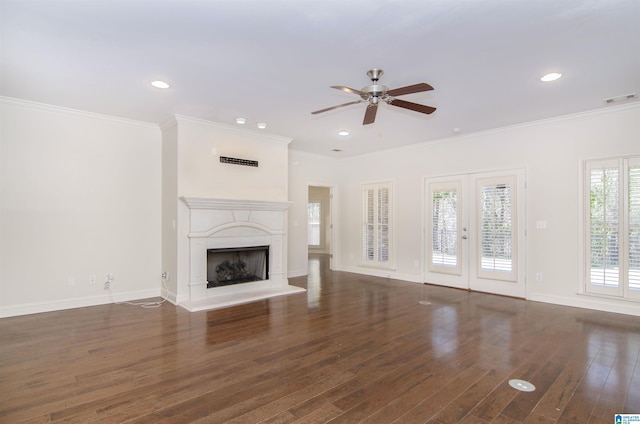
x: 375, y: 93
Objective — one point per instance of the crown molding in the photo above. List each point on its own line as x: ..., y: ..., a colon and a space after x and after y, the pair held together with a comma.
x: 28, y: 104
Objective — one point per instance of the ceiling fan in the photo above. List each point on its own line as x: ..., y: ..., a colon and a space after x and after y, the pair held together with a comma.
x: 375, y: 93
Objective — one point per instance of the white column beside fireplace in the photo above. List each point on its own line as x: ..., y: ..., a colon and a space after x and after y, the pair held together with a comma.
x: 221, y: 223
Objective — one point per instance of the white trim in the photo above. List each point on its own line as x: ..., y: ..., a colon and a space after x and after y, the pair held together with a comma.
x: 460, y: 137
x: 234, y: 204
x: 590, y: 302
x: 78, y: 302
x: 75, y: 112
x: 382, y: 273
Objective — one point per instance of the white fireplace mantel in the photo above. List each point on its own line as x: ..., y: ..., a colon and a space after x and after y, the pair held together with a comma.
x: 231, y: 204
x: 225, y: 223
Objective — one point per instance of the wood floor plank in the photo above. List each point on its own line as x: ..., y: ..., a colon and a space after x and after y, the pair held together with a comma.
x: 352, y: 349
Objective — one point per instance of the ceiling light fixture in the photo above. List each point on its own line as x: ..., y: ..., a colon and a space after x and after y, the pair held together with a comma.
x: 241, y: 121
x: 343, y: 133
x: 261, y: 125
x: 552, y: 76
x: 159, y: 84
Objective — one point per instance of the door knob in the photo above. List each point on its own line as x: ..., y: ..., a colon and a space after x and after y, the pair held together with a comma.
x: 464, y: 237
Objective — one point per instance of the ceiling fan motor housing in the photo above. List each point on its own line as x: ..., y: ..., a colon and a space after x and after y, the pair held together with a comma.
x: 373, y: 91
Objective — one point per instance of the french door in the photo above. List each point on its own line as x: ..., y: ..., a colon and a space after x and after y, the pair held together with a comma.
x: 475, y: 232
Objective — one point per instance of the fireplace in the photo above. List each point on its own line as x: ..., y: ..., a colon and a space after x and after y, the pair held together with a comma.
x: 238, y: 265
x: 225, y: 228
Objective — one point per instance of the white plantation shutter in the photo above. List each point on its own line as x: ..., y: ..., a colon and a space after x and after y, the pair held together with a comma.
x: 383, y: 224
x: 604, y: 229
x: 445, y: 255
x: 368, y: 225
x: 376, y: 224
x: 497, y: 237
x: 633, y: 272
x: 613, y: 227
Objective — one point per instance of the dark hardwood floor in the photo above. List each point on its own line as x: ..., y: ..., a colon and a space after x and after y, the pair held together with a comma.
x: 351, y: 349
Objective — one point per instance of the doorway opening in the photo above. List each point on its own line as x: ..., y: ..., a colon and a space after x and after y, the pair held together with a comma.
x: 320, y: 221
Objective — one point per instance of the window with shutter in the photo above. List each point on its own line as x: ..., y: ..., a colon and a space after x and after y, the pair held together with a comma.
x: 613, y: 227
x: 376, y: 224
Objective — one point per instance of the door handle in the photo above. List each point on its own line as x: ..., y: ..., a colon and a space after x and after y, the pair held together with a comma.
x: 464, y: 237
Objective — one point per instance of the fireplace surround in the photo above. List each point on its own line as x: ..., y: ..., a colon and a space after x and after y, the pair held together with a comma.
x: 233, y: 224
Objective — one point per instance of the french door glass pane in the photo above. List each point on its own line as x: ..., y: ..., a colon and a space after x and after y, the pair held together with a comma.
x: 604, y: 229
x: 495, y: 228
x: 444, y: 243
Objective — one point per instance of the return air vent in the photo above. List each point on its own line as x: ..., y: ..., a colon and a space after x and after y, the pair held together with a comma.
x: 620, y: 99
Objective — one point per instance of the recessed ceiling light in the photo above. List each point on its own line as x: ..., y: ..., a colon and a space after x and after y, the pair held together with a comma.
x: 261, y: 125
x: 551, y: 77
x: 159, y: 84
x: 241, y: 121
x: 343, y: 133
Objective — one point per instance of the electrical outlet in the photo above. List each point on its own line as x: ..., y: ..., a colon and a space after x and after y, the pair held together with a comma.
x: 92, y: 279
x: 539, y: 276
x: 71, y: 281
x: 165, y: 275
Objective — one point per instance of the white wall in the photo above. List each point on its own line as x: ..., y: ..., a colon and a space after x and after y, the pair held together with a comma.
x: 80, y: 196
x: 551, y: 153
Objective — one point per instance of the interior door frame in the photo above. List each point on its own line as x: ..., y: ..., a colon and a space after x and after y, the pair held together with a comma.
x: 332, y: 244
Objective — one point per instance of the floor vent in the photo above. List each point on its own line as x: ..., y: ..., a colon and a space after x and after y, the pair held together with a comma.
x: 523, y: 386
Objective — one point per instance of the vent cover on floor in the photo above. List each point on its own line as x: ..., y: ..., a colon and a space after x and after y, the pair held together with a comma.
x: 523, y: 386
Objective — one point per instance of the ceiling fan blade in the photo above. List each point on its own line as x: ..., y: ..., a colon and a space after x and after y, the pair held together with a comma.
x: 412, y: 106
x: 350, y: 90
x: 337, y: 106
x: 370, y: 114
x: 415, y: 88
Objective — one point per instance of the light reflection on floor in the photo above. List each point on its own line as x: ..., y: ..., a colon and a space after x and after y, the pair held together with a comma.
x: 317, y: 263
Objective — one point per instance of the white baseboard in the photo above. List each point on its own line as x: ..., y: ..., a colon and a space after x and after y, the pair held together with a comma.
x: 297, y: 273
x: 383, y: 273
x: 589, y: 302
x: 80, y: 302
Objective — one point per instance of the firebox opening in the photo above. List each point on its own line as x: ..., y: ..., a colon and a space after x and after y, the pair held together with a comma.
x: 237, y: 265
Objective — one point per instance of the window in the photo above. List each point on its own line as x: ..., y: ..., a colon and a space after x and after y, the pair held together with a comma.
x: 376, y: 224
x: 313, y: 223
x: 613, y: 227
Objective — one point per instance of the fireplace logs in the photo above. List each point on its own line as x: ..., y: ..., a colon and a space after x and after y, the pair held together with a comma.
x: 237, y: 265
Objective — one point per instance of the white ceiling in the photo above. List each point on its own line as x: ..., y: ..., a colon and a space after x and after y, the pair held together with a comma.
x: 273, y: 61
